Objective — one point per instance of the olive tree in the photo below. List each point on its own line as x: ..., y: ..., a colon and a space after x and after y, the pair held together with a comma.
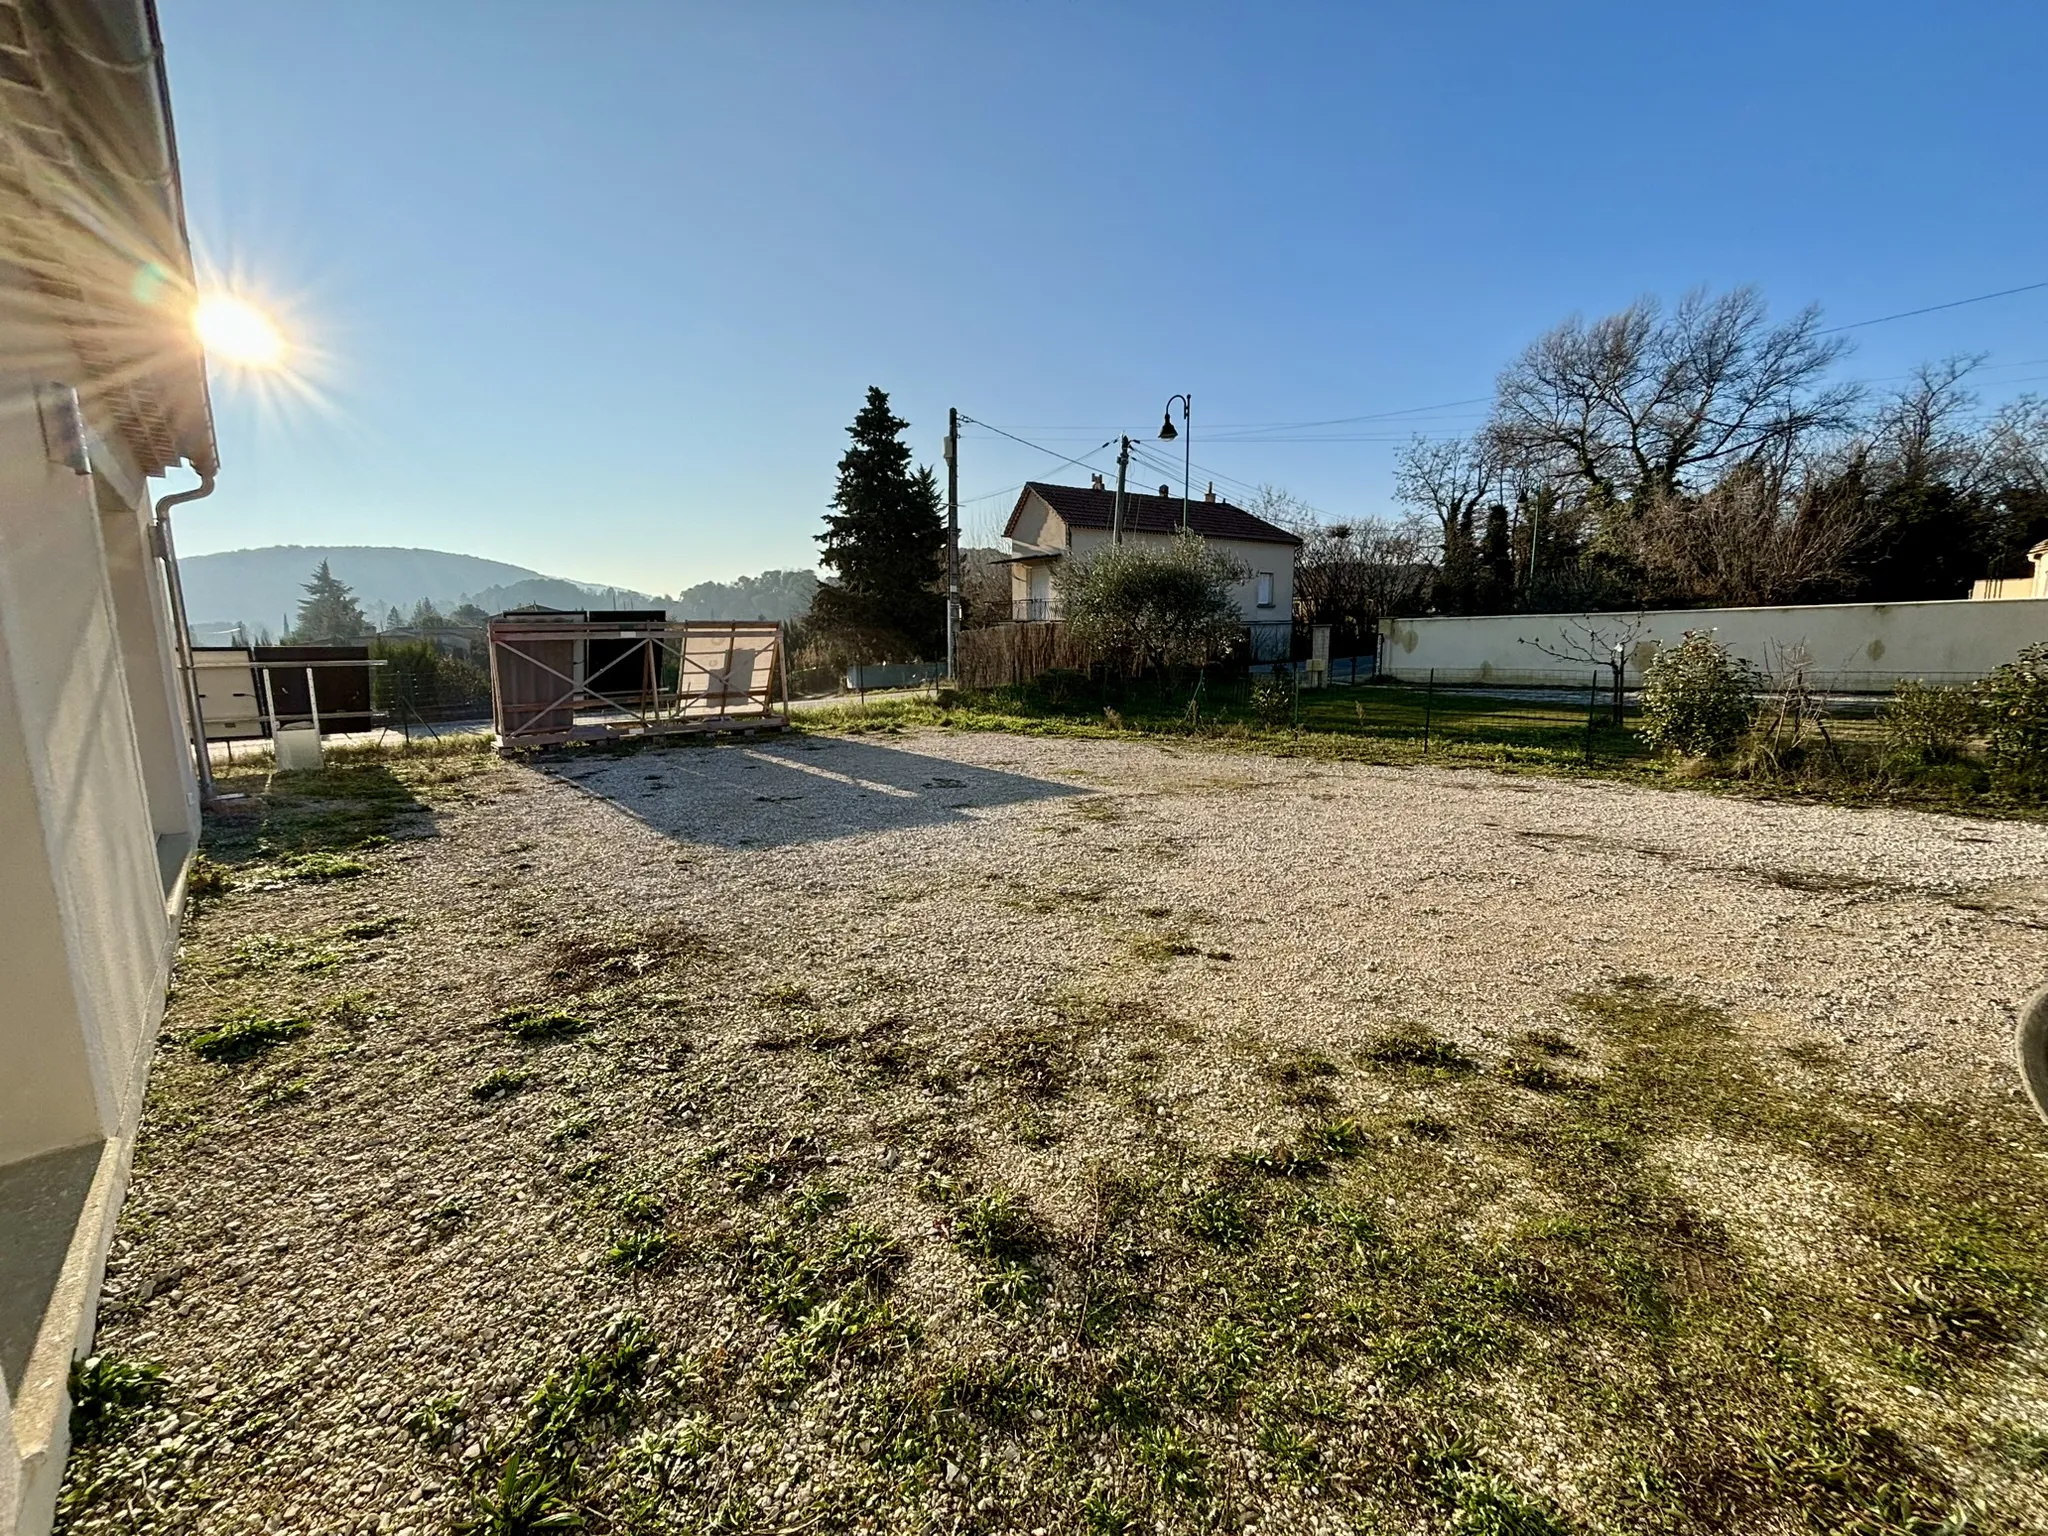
x: 1144, y: 605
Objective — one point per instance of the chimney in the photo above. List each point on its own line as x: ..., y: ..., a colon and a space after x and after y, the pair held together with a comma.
x: 1096, y: 482
x: 1166, y: 490
x: 1212, y: 492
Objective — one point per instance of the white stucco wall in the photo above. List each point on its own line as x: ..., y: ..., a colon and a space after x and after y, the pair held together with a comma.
x: 1957, y: 638
x: 85, y: 930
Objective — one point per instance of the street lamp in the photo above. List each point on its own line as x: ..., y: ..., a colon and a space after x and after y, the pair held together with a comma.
x: 1187, y: 434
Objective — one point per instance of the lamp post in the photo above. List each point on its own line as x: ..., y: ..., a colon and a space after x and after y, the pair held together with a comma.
x: 1187, y: 435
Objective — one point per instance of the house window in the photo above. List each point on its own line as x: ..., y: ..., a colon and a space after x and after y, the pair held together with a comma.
x: 1265, y: 597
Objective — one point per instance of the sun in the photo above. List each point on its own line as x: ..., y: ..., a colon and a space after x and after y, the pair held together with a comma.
x: 235, y: 331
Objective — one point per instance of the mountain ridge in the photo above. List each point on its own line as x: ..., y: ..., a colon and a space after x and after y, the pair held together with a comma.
x: 259, y: 589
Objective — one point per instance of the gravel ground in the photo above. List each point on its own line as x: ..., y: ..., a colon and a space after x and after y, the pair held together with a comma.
x: 326, y: 1237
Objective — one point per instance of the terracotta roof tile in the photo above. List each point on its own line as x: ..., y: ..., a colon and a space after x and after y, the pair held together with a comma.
x: 1083, y: 506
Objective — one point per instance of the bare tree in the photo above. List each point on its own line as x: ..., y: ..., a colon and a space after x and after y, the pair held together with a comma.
x: 1608, y: 640
x: 1449, y: 479
x: 1634, y: 404
x: 1351, y: 574
x: 1758, y: 536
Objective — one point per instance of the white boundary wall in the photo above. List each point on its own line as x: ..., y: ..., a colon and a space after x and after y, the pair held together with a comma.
x: 1886, y: 641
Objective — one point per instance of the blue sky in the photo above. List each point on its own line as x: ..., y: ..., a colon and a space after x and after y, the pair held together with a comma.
x: 597, y: 288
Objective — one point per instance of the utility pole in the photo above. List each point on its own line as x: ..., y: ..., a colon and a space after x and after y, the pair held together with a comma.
x: 952, y: 544
x: 1123, y: 469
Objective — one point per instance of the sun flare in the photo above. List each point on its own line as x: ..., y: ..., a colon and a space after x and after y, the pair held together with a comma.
x: 235, y: 331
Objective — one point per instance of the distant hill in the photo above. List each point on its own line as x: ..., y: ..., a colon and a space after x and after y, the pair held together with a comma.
x: 259, y: 589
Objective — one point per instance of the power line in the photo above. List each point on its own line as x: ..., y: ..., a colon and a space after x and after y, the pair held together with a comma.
x: 1013, y: 437
x: 1907, y: 314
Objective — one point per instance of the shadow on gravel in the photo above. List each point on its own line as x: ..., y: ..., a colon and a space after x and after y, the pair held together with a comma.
x: 782, y: 791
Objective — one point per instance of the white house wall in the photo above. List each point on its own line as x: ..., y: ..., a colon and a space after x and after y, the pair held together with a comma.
x: 1956, y: 638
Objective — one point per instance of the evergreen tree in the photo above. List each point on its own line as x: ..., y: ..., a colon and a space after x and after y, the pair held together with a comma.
x: 885, y: 540
x: 1496, y: 563
x: 329, y: 613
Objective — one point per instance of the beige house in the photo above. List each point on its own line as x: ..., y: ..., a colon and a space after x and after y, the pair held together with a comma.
x: 1052, y: 523
x: 101, y: 387
x: 1999, y: 589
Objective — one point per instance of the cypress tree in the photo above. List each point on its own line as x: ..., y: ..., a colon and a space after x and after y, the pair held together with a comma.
x: 885, y: 541
x: 329, y: 613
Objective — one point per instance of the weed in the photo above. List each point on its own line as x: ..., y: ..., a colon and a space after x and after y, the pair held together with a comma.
x: 536, y: 1024
x: 351, y: 1010
x: 275, y: 1091
x: 639, y: 1205
x: 788, y: 994
x: 245, y: 1036
x: 575, y: 1128
x: 1426, y: 1128
x: 639, y: 1250
x: 1489, y: 1504
x: 500, y: 1084
x: 1416, y: 1050
x: 105, y: 1389
x: 205, y: 879
x: 529, y: 1496
x: 998, y: 1228
x: 435, y: 1421
x: 1035, y: 1128
x: 1220, y: 1216
x: 1177, y: 1467
x: 370, y: 928
x: 1009, y: 1286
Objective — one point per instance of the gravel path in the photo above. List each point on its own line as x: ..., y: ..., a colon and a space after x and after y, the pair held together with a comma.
x: 319, y: 1242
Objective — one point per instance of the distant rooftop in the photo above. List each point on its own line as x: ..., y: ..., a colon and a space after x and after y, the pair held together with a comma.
x: 1084, y: 506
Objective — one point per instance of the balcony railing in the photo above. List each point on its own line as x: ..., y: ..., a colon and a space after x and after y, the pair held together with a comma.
x: 1032, y: 610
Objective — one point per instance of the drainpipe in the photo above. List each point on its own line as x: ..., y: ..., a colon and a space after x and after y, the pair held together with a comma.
x: 202, y: 758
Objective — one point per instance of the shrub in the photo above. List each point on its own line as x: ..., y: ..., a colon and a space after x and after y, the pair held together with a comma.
x: 1143, y: 606
x: 1929, y: 725
x: 1697, y: 698
x: 1272, y: 698
x: 2014, y: 705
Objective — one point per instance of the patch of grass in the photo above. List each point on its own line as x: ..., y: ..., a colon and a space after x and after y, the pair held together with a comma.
x: 1418, y: 1051
x: 1301, y: 1077
x: 639, y: 1205
x: 1549, y: 1042
x: 321, y: 867
x: 244, y: 1037
x: 371, y: 928
x: 499, y: 1084
x: 1538, y: 1077
x: 1038, y: 1059
x: 787, y: 994
x: 1427, y: 1128
x: 535, y: 1024
x: 106, y: 1389
x: 268, y: 951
